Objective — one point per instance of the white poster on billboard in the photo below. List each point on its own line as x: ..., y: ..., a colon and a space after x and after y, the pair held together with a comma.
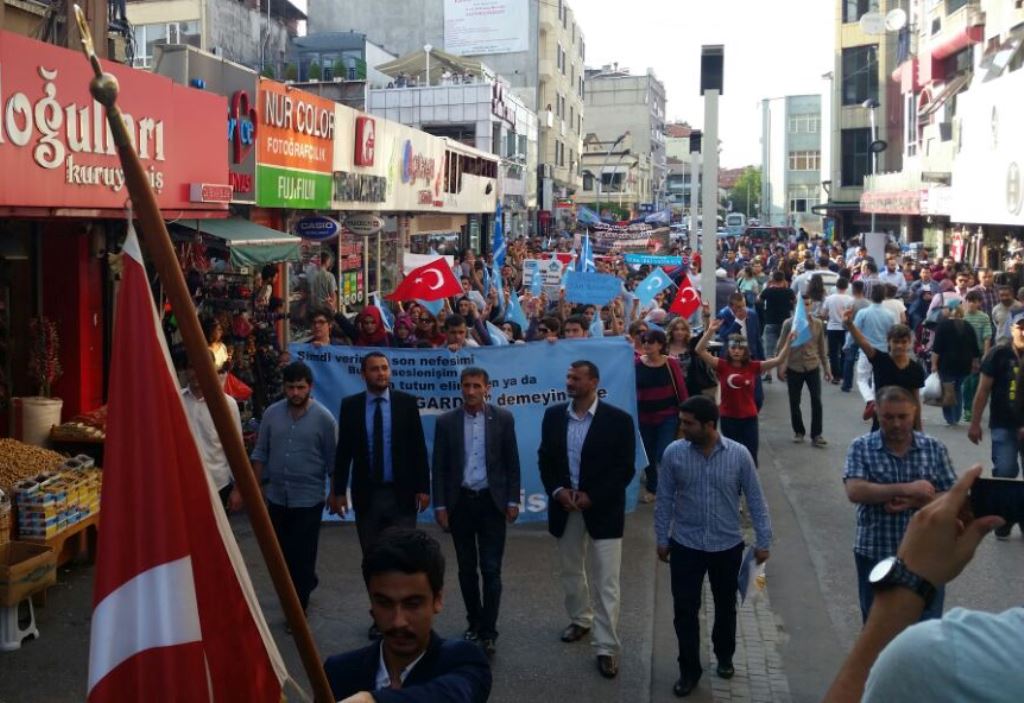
x: 988, y: 172
x: 474, y: 27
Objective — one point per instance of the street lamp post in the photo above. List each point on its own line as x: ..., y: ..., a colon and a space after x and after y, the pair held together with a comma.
x: 877, y: 146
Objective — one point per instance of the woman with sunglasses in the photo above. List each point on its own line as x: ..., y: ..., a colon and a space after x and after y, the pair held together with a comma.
x: 660, y: 390
x: 737, y: 377
x: 700, y: 378
x: 428, y: 331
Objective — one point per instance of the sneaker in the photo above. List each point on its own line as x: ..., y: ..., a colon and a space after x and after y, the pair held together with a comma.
x: 798, y: 439
x: 1003, y: 532
x: 819, y: 442
x: 470, y: 635
x: 869, y: 410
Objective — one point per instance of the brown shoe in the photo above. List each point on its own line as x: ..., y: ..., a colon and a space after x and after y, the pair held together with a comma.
x: 574, y: 633
x: 607, y: 665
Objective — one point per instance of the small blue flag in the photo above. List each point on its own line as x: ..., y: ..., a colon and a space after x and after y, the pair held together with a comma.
x: 385, y: 313
x: 515, y: 311
x: 433, y: 306
x: 499, y: 237
x: 597, y: 327
x: 498, y: 337
x: 585, y: 262
x: 801, y: 325
x: 656, y: 281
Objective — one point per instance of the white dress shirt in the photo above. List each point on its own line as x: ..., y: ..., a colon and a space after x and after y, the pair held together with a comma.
x: 383, y: 680
x: 207, y: 440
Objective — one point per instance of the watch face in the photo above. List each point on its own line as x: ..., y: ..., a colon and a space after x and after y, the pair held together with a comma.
x: 882, y: 569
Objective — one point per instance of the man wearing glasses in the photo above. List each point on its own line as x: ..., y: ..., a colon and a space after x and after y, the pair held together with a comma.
x: 321, y: 321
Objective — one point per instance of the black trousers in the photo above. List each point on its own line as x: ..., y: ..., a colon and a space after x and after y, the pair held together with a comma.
x: 836, y: 340
x: 478, y: 531
x: 795, y: 381
x: 298, y: 531
x: 379, y: 511
x: 688, y: 567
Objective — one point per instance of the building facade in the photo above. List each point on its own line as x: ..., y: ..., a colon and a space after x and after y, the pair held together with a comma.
x: 617, y: 177
x: 541, y: 60
x: 791, y: 168
x: 618, y: 102
x: 237, y: 31
x: 340, y: 66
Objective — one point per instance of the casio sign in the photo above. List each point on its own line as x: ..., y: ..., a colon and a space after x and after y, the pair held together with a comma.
x: 317, y: 227
x: 364, y: 224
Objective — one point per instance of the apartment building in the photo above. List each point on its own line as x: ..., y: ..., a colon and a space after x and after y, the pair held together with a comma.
x: 791, y: 163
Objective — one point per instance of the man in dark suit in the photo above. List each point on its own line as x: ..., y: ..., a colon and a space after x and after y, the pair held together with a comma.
x: 476, y: 490
x: 586, y: 460
x: 404, y: 576
x: 380, y: 440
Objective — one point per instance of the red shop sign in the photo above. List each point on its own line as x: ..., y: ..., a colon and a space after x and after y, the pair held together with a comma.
x: 57, y: 151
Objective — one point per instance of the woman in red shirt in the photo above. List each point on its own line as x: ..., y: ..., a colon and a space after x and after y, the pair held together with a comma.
x: 737, y: 376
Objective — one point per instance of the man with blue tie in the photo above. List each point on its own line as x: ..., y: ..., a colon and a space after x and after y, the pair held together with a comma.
x: 381, y: 442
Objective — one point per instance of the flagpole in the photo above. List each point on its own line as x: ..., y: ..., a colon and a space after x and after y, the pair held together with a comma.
x: 104, y: 89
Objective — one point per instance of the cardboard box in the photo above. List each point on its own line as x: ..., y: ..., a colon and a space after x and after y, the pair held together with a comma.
x: 25, y: 569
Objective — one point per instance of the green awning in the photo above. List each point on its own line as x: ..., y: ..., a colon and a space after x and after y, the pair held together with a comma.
x: 251, y: 244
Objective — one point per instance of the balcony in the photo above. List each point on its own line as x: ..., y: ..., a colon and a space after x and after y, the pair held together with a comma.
x: 546, y: 69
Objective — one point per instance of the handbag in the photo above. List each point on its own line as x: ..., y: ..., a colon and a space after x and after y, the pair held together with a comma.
x: 948, y: 394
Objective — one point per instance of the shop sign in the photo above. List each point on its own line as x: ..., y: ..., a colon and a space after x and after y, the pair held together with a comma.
x: 359, y: 188
x: 415, y: 166
x: 318, y: 227
x: 210, y: 192
x: 903, y: 202
x: 499, y: 108
x: 57, y: 150
x: 242, y: 126
x: 366, y: 140
x: 364, y: 224
x: 295, y: 148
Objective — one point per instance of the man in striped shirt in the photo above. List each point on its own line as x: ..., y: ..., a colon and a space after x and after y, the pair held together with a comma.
x: 697, y: 529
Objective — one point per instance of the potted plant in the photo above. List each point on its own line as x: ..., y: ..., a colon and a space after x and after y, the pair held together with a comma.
x: 35, y: 416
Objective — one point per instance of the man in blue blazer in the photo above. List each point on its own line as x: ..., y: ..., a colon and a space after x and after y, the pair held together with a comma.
x: 404, y: 575
x: 476, y: 493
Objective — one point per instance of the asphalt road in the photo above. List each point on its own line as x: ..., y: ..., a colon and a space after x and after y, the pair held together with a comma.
x: 811, y: 581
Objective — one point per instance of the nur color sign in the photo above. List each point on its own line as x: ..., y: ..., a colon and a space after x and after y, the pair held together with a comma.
x: 295, y: 148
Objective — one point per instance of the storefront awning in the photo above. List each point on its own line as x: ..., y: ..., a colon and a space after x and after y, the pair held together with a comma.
x: 949, y: 90
x: 251, y: 244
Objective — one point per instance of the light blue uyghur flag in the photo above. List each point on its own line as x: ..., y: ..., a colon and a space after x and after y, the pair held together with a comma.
x: 537, y: 284
x: 515, y: 311
x: 585, y: 262
x: 800, y: 324
x: 432, y: 306
x: 597, y: 327
x: 495, y: 280
x: 385, y: 314
x: 499, y: 237
x: 498, y: 337
x: 656, y: 281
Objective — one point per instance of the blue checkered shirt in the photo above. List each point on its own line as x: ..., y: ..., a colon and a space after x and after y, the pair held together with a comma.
x: 878, y: 532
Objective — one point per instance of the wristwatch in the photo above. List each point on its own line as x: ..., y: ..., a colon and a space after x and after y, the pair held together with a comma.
x: 891, y: 571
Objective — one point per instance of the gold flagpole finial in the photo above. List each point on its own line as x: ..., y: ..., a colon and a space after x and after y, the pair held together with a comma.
x: 104, y: 86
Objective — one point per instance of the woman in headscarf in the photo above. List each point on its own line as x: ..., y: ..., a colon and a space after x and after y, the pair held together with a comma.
x: 405, y: 331
x: 368, y: 331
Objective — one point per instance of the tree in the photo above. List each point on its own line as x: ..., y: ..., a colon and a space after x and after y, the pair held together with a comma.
x: 746, y: 194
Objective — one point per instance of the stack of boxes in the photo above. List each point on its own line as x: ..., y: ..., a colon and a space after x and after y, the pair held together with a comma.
x: 53, y: 501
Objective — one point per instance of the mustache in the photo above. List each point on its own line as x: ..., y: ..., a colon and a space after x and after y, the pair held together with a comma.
x: 400, y: 633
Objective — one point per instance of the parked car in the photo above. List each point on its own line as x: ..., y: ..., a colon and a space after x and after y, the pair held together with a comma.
x: 761, y: 234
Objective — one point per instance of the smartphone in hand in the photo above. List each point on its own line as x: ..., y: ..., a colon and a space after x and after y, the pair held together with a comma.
x: 998, y: 496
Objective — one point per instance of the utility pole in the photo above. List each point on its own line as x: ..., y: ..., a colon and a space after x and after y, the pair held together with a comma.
x: 711, y: 84
x: 695, y: 145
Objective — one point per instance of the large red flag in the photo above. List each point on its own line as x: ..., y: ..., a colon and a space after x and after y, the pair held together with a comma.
x: 431, y: 281
x: 687, y: 299
x: 175, y: 616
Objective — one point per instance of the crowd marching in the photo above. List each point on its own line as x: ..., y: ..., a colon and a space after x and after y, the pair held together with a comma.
x: 900, y: 330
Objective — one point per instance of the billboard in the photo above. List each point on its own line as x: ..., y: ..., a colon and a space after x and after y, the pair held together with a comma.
x: 474, y: 27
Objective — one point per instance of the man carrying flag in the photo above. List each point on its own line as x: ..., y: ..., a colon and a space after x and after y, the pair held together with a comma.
x: 808, y: 359
x: 175, y: 615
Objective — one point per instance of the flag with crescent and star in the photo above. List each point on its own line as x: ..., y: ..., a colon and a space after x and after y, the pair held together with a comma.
x: 656, y: 281
x: 801, y: 325
x: 687, y: 299
x: 431, y: 281
x: 586, y: 261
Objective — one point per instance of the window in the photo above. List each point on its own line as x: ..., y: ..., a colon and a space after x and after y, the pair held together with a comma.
x: 860, y: 74
x: 910, y: 123
x: 588, y: 181
x: 805, y: 161
x: 572, y: 117
x: 856, y: 155
x: 853, y: 10
x: 954, y: 5
x: 150, y: 36
x: 558, y: 58
x: 810, y: 123
x: 802, y: 198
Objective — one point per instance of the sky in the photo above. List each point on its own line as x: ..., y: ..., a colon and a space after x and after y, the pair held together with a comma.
x: 771, y: 49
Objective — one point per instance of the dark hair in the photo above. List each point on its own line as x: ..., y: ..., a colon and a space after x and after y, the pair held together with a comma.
x: 209, y: 326
x: 406, y: 551
x: 590, y: 366
x: 268, y: 272
x: 778, y: 276
x: 635, y: 326
x: 898, y: 331
x: 894, y: 394
x: 372, y: 355
x: 474, y: 371
x: 736, y: 297
x: 702, y: 408
x: 657, y: 337
x: 517, y: 329
x: 296, y: 372
x: 575, y: 320
x: 871, y: 266
x: 320, y: 312
x: 877, y: 293
x: 454, y: 320
x: 973, y: 296
x: 858, y: 287
x: 816, y: 288
x: 842, y: 283
x: 552, y: 323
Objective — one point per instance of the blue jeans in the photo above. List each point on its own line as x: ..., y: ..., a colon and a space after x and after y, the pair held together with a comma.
x: 849, y: 363
x: 770, y: 339
x: 656, y: 438
x: 1007, y: 455
x: 954, y: 412
x: 867, y: 593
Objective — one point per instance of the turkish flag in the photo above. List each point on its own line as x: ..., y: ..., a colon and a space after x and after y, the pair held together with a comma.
x: 174, y: 616
x: 687, y: 299
x: 431, y: 281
